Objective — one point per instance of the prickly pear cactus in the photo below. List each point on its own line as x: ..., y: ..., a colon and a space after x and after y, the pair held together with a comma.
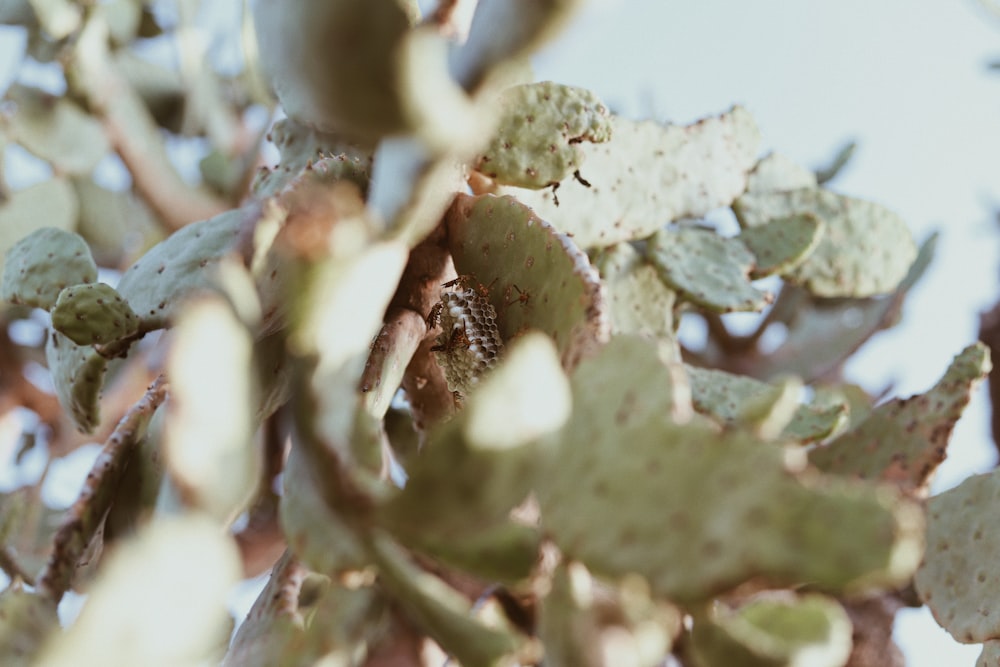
x: 427, y: 369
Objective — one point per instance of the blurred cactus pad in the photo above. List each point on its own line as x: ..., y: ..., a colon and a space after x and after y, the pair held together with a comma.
x: 409, y: 351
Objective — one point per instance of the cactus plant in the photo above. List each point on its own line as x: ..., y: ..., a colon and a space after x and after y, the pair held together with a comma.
x: 427, y: 368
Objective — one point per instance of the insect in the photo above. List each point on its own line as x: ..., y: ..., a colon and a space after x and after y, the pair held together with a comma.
x: 522, y: 296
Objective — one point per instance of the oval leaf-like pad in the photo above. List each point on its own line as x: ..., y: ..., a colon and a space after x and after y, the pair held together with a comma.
x: 638, y: 301
x: 636, y: 474
x: 707, y: 269
x: 958, y: 579
x: 782, y: 244
x: 179, y: 265
x: 726, y: 397
x: 541, y: 130
x: 535, y: 277
x: 41, y: 264
x: 777, y: 173
x: 649, y: 174
x: 866, y: 250
x: 78, y: 374
x: 93, y: 314
x: 903, y: 441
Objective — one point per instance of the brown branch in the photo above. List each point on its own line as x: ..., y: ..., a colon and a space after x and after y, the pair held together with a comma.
x: 133, y: 133
x: 85, y: 517
x: 391, y: 353
x: 989, y: 333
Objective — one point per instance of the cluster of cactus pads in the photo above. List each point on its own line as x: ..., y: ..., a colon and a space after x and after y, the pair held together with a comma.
x: 426, y: 371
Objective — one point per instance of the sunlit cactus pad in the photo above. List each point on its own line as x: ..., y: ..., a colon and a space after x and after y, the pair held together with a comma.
x: 78, y: 375
x: 541, y: 128
x: 780, y: 245
x: 41, y: 264
x: 957, y: 579
x: 638, y: 301
x: 649, y: 174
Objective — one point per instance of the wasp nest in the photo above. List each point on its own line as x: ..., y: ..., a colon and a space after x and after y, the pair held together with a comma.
x: 469, y: 344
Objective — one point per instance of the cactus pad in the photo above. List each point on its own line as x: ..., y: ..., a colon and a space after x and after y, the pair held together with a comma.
x: 28, y: 621
x: 535, y: 277
x: 649, y: 174
x: 638, y: 301
x: 774, y: 631
x: 866, y: 249
x: 777, y: 173
x: 78, y: 375
x: 903, y: 441
x: 726, y: 397
x: 957, y: 579
x: 93, y: 314
x: 541, y: 128
x: 781, y: 245
x: 707, y: 269
x: 469, y: 344
x: 181, y: 264
x: 990, y: 657
x: 47, y: 204
x: 41, y: 264
x: 635, y: 474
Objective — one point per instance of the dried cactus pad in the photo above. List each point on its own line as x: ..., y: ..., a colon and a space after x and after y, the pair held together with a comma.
x: 726, y: 397
x: 865, y: 251
x: 958, y: 578
x: 649, y: 174
x: 541, y: 129
x: 535, y: 277
x: 93, y: 314
x: 182, y: 263
x: 779, y: 631
x: 41, y: 264
x: 78, y: 374
x: 707, y: 269
x: 637, y: 478
x: 469, y: 344
x: 903, y: 441
x: 782, y: 244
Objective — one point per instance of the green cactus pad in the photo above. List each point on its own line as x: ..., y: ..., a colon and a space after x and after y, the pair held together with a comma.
x: 707, y: 269
x: 47, y: 204
x: 780, y: 245
x: 505, y: 553
x: 107, y: 216
x: 535, y: 277
x: 215, y: 461
x: 541, y: 129
x: 957, y: 579
x: 903, y: 441
x: 93, y: 314
x: 442, y: 612
x: 726, y: 397
x: 56, y: 130
x: 649, y: 174
x: 480, y: 465
x: 778, y: 173
x: 178, y: 266
x: 637, y: 300
x: 173, y: 617
x: 866, y: 249
x: 28, y: 621
x: 41, y: 264
x: 774, y: 631
x: 78, y: 374
x: 634, y: 473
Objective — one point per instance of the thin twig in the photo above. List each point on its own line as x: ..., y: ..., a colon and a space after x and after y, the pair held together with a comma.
x: 85, y: 517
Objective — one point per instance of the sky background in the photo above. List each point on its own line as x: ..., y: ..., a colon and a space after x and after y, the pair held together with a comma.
x: 907, y: 80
